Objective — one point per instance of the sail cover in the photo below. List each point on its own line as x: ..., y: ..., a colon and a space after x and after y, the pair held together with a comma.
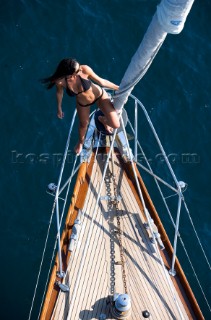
x: 170, y: 17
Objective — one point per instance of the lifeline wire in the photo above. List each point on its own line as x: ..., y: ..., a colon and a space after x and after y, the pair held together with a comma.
x: 196, y: 234
x: 149, y: 223
x: 167, y: 208
x: 69, y: 181
x: 40, y: 268
x: 46, y: 240
x: 67, y: 192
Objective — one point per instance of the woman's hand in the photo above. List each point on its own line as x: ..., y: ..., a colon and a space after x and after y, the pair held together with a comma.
x: 78, y: 148
x: 60, y: 114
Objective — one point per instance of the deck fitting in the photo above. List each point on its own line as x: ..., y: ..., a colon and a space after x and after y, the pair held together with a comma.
x: 51, y: 188
x: 146, y: 314
x: 183, y: 185
x: 111, y: 198
x: 172, y: 272
x: 63, y: 287
x: 122, y: 306
x: 60, y: 275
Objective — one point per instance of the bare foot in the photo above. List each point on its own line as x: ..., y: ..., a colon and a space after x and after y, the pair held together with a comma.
x: 103, y: 120
x: 78, y: 148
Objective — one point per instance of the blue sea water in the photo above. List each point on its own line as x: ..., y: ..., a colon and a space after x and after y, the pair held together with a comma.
x: 35, y: 36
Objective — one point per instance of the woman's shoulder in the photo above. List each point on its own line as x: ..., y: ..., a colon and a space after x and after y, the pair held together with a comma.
x: 86, y: 69
x: 60, y: 84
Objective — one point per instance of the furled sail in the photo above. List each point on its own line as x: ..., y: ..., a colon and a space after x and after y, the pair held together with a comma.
x: 170, y: 17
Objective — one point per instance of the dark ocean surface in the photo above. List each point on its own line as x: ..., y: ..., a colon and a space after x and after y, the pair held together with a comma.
x: 35, y: 36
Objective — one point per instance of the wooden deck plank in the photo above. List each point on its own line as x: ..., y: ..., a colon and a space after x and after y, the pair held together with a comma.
x: 93, y: 256
x: 102, y: 281
x: 131, y: 207
x: 160, y: 281
x: 94, y: 243
x: 88, y: 213
x: 91, y: 261
x: 147, y: 282
x: 136, y: 255
x: 132, y: 250
x: 61, y: 299
x: 101, y: 286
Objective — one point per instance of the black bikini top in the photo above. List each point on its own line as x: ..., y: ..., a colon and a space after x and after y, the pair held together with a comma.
x: 86, y: 84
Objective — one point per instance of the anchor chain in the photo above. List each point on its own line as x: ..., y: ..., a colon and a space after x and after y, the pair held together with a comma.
x: 119, y: 233
x: 121, y: 250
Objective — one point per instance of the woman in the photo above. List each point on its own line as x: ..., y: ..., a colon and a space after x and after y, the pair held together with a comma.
x: 75, y: 78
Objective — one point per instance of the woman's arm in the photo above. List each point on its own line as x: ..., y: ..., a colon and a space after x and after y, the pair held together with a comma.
x: 102, y: 82
x: 59, y: 96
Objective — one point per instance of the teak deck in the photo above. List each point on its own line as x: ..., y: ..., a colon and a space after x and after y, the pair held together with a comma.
x: 93, y: 270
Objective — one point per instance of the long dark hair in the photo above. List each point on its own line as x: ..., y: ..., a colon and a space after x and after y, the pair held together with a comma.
x: 65, y: 67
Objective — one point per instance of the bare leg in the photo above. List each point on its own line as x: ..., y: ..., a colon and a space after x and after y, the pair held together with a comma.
x: 111, y: 119
x: 104, y: 121
x: 83, y: 115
